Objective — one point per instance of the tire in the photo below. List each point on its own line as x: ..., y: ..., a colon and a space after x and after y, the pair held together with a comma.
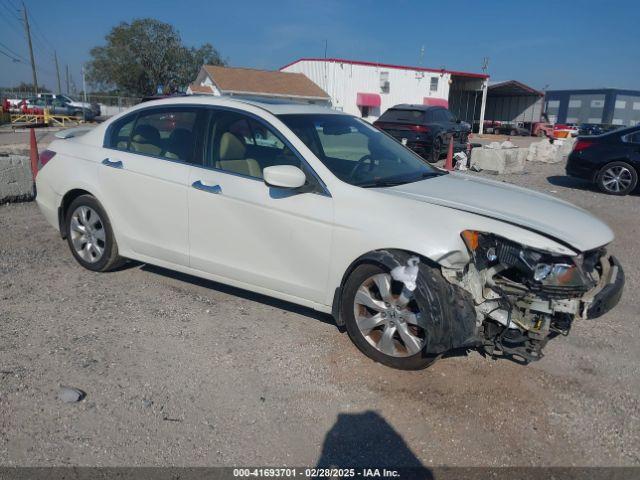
x: 87, y: 224
x: 435, y: 151
x: 440, y: 306
x: 617, y: 178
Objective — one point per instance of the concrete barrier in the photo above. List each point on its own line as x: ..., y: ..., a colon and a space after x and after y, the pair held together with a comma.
x: 16, y: 181
x: 498, y: 160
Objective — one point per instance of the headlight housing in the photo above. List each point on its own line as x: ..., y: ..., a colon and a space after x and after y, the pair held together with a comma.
x: 532, y: 267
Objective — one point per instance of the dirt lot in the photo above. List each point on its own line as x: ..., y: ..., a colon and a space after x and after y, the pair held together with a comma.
x: 181, y: 371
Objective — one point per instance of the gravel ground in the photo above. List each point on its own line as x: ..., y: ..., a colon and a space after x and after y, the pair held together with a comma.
x: 182, y: 371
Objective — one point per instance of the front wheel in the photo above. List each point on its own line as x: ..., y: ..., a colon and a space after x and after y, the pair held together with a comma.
x: 380, y: 324
x: 90, y: 236
x: 617, y: 178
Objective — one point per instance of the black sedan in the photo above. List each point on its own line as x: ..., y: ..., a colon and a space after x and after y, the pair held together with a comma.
x: 611, y: 160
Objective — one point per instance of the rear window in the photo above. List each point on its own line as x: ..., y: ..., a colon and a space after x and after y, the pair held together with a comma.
x: 398, y: 115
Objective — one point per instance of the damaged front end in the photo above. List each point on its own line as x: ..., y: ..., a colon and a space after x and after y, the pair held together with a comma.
x: 524, y: 297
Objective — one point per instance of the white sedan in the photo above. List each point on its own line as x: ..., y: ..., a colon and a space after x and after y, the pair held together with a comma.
x: 319, y: 208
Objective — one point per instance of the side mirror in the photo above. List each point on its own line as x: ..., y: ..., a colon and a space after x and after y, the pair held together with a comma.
x: 284, y: 176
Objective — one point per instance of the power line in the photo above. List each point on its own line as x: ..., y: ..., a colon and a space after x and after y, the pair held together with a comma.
x: 14, y: 59
x: 12, y: 25
x: 13, y: 52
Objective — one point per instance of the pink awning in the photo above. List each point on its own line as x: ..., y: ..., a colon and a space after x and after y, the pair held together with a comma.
x: 435, y: 102
x: 368, y: 100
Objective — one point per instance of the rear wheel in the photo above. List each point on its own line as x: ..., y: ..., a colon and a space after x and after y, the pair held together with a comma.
x: 435, y: 151
x: 90, y: 236
x: 617, y: 178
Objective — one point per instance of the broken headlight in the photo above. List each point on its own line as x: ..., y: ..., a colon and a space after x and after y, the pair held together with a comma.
x: 526, y: 265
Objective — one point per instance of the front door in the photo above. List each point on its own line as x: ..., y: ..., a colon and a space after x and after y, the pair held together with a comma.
x: 145, y: 176
x: 243, y: 230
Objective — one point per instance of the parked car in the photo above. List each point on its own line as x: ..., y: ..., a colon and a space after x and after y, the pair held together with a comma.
x: 512, y: 129
x: 328, y: 212
x: 57, y: 106
x: 425, y: 129
x: 590, y: 129
x: 611, y: 160
x: 94, y: 108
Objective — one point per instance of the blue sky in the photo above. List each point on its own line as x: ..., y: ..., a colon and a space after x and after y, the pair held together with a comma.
x: 587, y: 44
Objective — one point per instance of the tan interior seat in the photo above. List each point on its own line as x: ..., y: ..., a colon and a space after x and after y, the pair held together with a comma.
x: 180, y: 145
x: 232, y: 157
x: 146, y: 139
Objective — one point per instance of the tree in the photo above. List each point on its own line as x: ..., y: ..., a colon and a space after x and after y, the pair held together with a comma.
x: 140, y: 56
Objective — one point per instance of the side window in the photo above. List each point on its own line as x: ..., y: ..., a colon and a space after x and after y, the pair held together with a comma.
x: 241, y: 145
x: 433, y: 86
x: 121, y: 133
x: 167, y: 133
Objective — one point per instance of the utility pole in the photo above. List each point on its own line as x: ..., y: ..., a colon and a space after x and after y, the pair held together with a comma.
x: 68, y: 92
x: 33, y: 62
x: 55, y: 57
x: 84, y: 86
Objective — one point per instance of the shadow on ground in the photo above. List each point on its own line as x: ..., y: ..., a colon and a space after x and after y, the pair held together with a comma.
x: 571, y: 182
x: 366, y: 440
x: 579, y: 184
x: 238, y: 292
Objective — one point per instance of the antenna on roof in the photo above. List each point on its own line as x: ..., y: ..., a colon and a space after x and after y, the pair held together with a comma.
x: 421, y: 56
x: 485, y: 64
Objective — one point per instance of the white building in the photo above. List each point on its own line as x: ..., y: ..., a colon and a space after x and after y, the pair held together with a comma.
x: 367, y: 89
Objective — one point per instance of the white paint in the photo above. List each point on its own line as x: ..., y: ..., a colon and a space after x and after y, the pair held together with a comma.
x: 620, y: 105
x: 295, y: 247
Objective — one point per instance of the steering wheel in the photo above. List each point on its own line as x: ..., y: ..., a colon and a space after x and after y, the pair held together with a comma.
x: 361, y: 163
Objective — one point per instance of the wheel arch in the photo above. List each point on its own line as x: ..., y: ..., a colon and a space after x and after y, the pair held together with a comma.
x: 67, y: 198
x: 385, y: 257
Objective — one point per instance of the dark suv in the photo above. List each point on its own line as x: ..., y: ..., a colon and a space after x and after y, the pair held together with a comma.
x: 425, y: 129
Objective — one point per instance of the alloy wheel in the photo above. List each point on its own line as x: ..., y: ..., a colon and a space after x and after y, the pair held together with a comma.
x: 87, y: 234
x: 617, y: 178
x: 390, y: 323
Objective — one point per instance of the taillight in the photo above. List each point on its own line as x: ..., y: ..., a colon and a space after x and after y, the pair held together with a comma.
x: 419, y: 128
x: 582, y: 145
x: 45, y: 156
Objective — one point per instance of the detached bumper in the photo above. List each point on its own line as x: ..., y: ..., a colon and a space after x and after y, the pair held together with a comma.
x: 610, y: 292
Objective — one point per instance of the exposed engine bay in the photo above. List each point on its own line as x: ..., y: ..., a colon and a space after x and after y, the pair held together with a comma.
x: 524, y: 297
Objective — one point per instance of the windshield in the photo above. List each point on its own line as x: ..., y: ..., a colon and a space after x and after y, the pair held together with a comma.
x: 398, y: 115
x: 358, y: 153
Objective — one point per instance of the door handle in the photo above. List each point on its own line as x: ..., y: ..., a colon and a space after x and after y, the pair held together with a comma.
x: 114, y: 164
x: 207, y: 188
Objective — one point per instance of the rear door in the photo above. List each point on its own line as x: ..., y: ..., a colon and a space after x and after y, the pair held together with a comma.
x: 144, y: 177
x: 255, y: 235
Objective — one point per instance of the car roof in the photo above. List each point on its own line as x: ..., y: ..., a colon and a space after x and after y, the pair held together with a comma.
x: 408, y: 106
x: 274, y: 106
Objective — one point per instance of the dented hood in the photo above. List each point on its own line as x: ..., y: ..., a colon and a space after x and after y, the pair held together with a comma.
x: 532, y: 210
